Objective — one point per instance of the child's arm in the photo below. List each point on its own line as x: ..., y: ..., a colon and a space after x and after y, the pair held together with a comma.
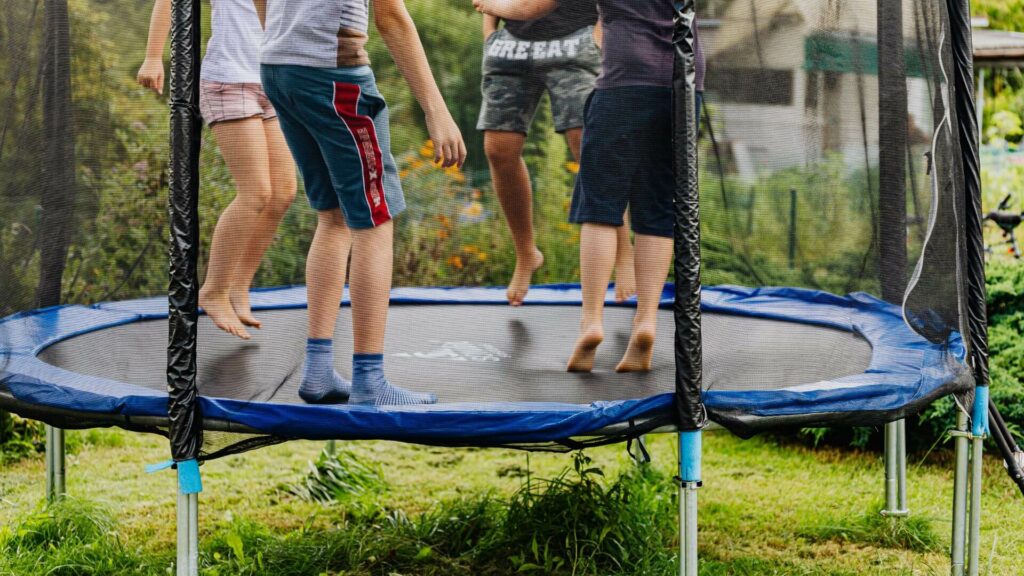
x: 516, y: 9
x: 151, y: 74
x: 399, y: 33
x: 490, y: 25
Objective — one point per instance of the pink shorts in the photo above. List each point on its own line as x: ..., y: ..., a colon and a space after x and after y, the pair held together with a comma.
x: 222, y: 101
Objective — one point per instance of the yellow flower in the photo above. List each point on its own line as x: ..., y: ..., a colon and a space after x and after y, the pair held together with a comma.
x: 470, y: 249
x: 573, y: 167
x: 454, y: 173
x: 403, y: 174
x: 482, y: 256
x: 427, y: 150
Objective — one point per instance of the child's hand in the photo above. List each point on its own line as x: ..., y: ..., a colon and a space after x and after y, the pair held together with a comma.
x: 151, y: 75
x: 479, y: 5
x: 449, y: 148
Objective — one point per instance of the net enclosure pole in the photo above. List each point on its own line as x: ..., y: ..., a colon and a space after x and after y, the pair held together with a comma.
x: 57, y: 201
x: 183, y: 290
x: 892, y: 204
x: 689, y: 410
x: 974, y: 257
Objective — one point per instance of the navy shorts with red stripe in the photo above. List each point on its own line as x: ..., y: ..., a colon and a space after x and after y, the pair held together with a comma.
x: 336, y: 125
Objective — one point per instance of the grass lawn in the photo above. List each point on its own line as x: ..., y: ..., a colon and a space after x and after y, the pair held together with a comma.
x: 766, y: 508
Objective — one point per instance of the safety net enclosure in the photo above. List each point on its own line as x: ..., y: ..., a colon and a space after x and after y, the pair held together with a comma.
x: 833, y: 241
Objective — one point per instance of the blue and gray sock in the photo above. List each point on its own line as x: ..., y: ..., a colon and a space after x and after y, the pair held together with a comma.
x: 371, y: 388
x: 321, y: 383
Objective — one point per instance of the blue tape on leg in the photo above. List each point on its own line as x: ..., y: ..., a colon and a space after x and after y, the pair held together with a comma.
x: 151, y: 468
x: 189, y: 481
x: 980, y: 412
x: 689, y: 456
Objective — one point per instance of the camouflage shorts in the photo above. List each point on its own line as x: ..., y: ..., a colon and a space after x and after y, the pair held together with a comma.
x: 516, y: 73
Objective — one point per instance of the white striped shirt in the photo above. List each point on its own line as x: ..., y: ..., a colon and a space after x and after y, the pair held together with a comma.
x: 317, y: 33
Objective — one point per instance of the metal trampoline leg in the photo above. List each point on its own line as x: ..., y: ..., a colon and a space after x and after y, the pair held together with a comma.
x: 896, y: 469
x: 55, y: 474
x: 974, y: 523
x: 979, y: 430
x: 188, y: 535
x: 958, y: 545
x: 689, y: 484
x: 332, y: 448
x: 901, y: 467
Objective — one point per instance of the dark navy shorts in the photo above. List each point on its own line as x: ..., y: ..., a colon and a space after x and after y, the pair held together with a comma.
x: 626, y: 160
x: 336, y: 125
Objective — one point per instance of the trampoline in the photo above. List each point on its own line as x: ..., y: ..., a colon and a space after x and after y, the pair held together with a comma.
x: 806, y: 358
x: 828, y: 263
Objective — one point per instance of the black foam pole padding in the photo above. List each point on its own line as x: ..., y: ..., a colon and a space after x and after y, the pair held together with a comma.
x: 689, y: 411
x: 183, y: 206
x: 892, y: 162
x: 967, y: 135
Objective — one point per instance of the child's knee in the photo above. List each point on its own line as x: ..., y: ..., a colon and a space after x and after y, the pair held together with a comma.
x: 257, y: 197
x: 501, y: 153
x: 282, y: 200
x: 332, y: 220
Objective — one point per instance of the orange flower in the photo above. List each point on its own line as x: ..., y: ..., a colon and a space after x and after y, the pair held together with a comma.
x: 427, y: 150
x: 573, y: 167
x: 455, y: 262
x: 442, y: 234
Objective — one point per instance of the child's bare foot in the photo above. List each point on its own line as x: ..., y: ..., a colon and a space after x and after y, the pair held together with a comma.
x: 219, y: 309
x: 522, y: 277
x: 582, y: 359
x: 625, y: 282
x: 240, y: 304
x: 639, y: 352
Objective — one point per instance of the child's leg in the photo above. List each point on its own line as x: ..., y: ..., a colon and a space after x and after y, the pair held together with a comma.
x: 325, y: 272
x: 282, y: 194
x: 512, y: 184
x: 370, y: 289
x: 597, y: 258
x: 625, y: 279
x: 653, y: 255
x: 370, y: 286
x: 243, y: 145
x: 625, y: 266
x: 325, y: 286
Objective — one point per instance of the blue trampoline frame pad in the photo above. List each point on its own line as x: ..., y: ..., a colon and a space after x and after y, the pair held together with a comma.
x: 906, y: 371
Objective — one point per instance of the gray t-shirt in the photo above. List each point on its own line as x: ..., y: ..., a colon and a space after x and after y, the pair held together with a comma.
x: 316, y: 33
x: 637, y: 47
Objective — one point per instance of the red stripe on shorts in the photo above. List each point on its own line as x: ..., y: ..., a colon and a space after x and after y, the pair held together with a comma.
x: 364, y: 133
